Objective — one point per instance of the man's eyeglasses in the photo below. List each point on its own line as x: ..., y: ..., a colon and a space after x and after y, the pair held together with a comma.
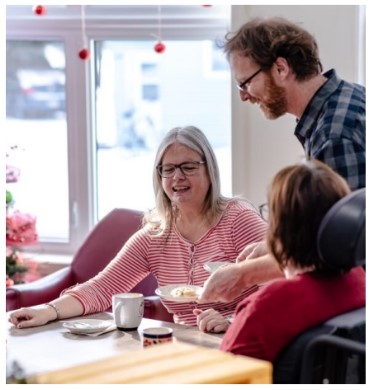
x: 243, y: 86
x: 188, y: 168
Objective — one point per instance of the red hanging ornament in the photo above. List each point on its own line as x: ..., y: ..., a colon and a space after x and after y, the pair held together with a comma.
x: 160, y: 47
x: 39, y: 10
x: 84, y: 54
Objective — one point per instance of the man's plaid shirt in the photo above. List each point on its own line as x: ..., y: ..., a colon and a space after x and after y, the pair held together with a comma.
x: 332, y: 128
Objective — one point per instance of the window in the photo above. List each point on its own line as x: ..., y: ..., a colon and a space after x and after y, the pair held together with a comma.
x: 89, y: 130
x: 37, y: 133
x: 148, y: 102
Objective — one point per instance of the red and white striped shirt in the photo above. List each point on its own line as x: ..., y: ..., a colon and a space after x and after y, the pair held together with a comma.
x: 174, y: 260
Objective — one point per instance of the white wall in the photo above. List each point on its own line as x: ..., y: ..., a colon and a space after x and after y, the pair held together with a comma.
x: 264, y: 146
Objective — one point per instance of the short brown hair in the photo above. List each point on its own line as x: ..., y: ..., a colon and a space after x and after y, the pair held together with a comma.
x: 264, y: 40
x: 299, y: 197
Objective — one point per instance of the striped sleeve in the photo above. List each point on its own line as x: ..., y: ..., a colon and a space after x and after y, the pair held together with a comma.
x: 129, y: 267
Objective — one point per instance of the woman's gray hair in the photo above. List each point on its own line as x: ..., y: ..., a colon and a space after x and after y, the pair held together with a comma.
x: 193, y: 138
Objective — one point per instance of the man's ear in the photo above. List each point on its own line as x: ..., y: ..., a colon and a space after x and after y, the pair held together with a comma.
x: 281, y: 68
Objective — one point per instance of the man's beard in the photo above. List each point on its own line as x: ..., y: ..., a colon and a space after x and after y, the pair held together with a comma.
x: 274, y: 103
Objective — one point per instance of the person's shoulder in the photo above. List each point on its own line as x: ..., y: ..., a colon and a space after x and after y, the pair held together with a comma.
x: 285, y: 288
x: 272, y: 292
x: 241, y: 212
x: 354, y: 90
x: 239, y: 205
x: 147, y: 233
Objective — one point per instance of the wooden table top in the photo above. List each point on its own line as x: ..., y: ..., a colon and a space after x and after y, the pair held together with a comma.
x: 167, y: 363
x: 52, y: 347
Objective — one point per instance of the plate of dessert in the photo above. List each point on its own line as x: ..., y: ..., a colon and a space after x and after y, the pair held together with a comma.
x: 179, y: 292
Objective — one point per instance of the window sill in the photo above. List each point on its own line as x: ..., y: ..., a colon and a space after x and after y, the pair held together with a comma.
x: 49, y: 263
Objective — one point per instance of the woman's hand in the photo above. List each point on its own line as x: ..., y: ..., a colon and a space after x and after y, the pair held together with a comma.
x: 211, y: 321
x: 252, y: 251
x: 32, y: 316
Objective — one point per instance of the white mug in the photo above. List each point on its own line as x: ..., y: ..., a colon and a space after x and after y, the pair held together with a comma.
x: 128, y: 310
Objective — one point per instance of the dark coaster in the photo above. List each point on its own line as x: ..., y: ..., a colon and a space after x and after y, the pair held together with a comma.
x: 127, y: 329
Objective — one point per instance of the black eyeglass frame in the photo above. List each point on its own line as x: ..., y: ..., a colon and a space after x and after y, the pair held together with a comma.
x: 176, y: 166
x: 264, y: 211
x: 242, y: 86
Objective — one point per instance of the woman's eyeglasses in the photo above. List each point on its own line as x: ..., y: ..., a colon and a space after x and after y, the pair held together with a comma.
x: 264, y: 211
x: 187, y: 168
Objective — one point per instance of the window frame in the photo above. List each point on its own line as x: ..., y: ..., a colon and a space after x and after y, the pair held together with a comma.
x: 63, y: 23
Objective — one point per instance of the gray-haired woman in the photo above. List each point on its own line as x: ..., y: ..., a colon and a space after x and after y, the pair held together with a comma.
x: 191, y: 224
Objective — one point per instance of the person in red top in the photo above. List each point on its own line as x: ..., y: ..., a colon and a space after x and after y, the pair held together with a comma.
x: 312, y: 291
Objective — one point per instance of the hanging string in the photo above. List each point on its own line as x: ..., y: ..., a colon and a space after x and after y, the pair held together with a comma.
x: 84, y: 53
x: 159, y: 47
x: 83, y: 25
x: 159, y: 22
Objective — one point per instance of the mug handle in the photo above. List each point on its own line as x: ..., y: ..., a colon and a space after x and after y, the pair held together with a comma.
x: 117, y: 310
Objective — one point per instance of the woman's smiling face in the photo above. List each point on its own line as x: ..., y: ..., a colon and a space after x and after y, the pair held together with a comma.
x: 185, y: 191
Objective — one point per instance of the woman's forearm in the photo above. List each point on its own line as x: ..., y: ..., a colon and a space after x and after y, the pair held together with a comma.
x: 66, y: 306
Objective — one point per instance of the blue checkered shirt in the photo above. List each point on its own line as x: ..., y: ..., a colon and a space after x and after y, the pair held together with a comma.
x: 332, y: 128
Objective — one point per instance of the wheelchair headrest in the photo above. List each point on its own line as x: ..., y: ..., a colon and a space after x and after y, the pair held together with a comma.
x: 341, y: 240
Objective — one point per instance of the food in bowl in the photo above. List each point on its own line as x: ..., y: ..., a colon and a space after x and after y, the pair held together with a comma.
x: 181, y: 292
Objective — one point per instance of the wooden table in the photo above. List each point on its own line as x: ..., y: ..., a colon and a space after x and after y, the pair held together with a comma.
x: 165, y: 363
x: 52, y: 347
x: 51, y: 354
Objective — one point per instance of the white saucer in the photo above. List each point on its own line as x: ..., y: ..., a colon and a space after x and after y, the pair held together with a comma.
x: 86, y: 326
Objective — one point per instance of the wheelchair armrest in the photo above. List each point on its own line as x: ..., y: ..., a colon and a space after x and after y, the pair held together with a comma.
x: 40, y: 291
x: 330, y: 341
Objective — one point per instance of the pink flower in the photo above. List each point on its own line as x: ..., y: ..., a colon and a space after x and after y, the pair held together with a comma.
x: 9, y: 281
x: 20, y: 229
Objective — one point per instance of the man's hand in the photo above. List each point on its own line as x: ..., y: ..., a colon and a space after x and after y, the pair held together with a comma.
x: 252, y: 251
x: 223, y: 285
x: 230, y: 281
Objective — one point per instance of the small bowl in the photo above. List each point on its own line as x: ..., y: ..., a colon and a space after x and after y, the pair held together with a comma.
x: 214, y: 265
x: 158, y: 335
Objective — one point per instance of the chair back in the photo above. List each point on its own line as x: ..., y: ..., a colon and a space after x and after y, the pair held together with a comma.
x: 104, y: 242
x: 341, y: 237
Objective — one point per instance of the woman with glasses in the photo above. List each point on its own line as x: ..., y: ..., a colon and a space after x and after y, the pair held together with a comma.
x: 192, y: 223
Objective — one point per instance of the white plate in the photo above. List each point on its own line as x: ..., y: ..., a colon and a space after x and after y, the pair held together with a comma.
x: 86, y: 326
x: 214, y: 265
x: 165, y: 292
